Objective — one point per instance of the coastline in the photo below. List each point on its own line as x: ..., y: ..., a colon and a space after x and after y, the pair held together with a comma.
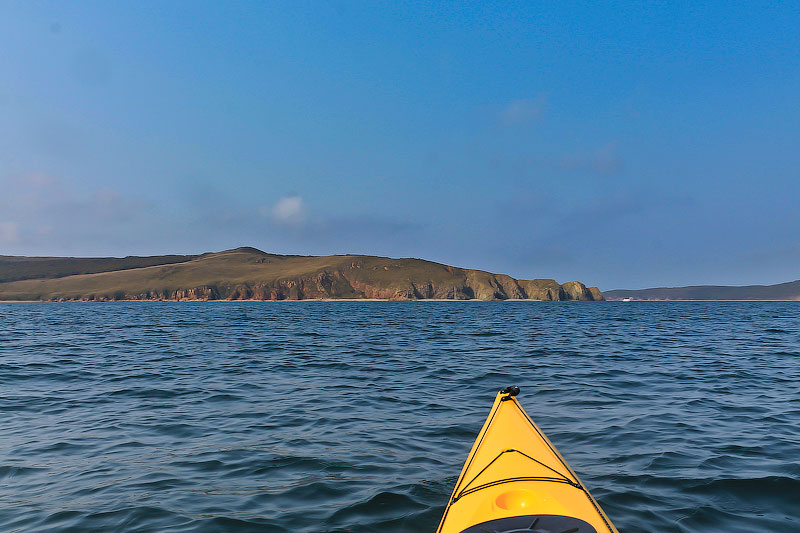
x: 720, y: 300
x: 186, y: 300
x: 278, y: 301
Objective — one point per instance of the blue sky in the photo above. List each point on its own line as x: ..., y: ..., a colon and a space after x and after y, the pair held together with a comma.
x: 621, y: 145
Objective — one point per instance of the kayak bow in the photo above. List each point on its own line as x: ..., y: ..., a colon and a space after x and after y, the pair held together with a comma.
x: 515, y: 481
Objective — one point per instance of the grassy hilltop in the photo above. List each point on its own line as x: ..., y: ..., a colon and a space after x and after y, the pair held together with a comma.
x: 18, y: 268
x: 247, y: 273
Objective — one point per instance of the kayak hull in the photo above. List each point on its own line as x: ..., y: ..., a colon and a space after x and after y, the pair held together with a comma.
x: 515, y: 480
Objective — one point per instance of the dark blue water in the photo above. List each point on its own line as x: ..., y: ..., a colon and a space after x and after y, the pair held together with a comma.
x: 311, y: 417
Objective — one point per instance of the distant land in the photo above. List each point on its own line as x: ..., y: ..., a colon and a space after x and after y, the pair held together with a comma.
x: 781, y: 291
x: 250, y: 274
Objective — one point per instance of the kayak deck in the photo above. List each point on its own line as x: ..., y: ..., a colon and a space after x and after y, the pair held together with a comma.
x: 514, y: 480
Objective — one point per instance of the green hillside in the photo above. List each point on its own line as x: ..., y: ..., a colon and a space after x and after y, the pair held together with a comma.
x: 17, y: 268
x: 247, y: 273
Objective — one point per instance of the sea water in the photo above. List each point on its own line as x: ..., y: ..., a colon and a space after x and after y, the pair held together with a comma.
x: 311, y: 417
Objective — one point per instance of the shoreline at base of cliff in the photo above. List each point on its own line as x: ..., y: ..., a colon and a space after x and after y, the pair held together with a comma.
x: 288, y: 300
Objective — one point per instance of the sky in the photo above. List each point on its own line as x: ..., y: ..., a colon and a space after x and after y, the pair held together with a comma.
x: 624, y: 145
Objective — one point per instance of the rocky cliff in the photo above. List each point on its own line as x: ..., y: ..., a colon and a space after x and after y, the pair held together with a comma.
x: 250, y: 274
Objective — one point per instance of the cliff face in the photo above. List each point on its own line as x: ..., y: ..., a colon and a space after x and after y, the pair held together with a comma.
x: 249, y: 274
x: 343, y: 285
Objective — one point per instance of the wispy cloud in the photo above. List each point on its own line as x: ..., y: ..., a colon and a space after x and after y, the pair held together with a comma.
x: 288, y: 211
x: 9, y: 232
x: 42, y: 211
x: 605, y: 161
x: 776, y: 254
x: 42, y: 214
x: 523, y: 110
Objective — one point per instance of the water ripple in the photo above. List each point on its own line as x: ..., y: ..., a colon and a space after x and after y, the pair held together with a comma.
x: 311, y: 417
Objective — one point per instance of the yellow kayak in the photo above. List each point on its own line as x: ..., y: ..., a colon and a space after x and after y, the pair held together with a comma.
x: 515, y: 481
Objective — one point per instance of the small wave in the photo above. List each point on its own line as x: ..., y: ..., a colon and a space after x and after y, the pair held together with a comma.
x: 8, y: 472
x: 486, y: 334
x: 770, y: 487
x: 384, y: 504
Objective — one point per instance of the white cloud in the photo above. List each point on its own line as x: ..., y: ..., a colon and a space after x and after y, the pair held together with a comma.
x: 523, y: 110
x: 9, y: 232
x: 290, y: 211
